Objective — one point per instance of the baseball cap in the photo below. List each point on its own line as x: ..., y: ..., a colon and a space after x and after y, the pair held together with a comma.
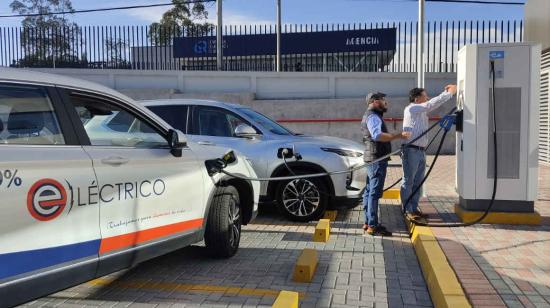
x: 375, y: 96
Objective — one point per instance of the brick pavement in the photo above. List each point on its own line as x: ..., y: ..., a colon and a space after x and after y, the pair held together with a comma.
x: 498, y: 265
x: 354, y: 270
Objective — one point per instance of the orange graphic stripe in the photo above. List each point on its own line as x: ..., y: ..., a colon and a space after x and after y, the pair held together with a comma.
x: 132, y: 239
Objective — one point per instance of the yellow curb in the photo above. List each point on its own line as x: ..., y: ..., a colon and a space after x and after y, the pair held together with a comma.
x: 322, y: 231
x: 166, y: 286
x: 286, y: 299
x: 499, y: 217
x: 305, y: 266
x: 330, y: 215
x: 394, y: 194
x: 444, y: 287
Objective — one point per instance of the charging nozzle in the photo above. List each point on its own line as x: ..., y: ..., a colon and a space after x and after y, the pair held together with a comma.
x: 216, y: 165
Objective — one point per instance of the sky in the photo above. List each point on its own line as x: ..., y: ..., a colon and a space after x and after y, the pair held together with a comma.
x: 293, y: 11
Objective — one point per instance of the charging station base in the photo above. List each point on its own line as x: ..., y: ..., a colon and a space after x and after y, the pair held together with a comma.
x: 508, y: 218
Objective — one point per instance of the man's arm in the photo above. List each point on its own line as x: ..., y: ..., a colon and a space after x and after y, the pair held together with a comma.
x: 435, y: 102
x: 432, y: 104
x: 374, y: 125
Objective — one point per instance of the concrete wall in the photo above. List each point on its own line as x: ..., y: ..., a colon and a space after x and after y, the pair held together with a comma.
x: 537, y: 22
x: 280, y: 95
x: 263, y: 85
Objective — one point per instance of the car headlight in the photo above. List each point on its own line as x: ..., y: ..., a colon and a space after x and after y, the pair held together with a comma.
x: 342, y: 152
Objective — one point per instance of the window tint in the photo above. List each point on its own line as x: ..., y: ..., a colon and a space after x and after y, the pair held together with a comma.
x: 213, y: 122
x: 108, y: 125
x: 27, y: 117
x: 176, y: 116
x: 219, y: 122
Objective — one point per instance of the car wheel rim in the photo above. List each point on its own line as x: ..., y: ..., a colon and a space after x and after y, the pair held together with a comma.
x: 301, y: 197
x: 234, y: 223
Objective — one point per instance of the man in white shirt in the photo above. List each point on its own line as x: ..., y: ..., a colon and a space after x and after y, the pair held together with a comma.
x: 415, y: 120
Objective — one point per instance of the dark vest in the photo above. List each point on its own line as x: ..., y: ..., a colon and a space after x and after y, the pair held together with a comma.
x: 375, y: 149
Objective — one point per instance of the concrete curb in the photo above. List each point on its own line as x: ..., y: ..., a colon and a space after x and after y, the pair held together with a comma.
x: 444, y: 287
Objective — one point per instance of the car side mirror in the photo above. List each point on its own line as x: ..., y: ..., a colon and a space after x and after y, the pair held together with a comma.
x: 177, y: 142
x: 245, y: 131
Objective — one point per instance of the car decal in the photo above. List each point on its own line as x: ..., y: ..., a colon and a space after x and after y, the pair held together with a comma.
x: 20, y: 262
x: 133, y: 239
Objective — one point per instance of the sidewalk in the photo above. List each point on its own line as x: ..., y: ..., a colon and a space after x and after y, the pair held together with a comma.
x: 497, y: 265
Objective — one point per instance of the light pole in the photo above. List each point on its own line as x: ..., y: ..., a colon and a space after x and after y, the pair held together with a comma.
x: 278, y: 61
x: 219, y: 37
x: 420, y: 45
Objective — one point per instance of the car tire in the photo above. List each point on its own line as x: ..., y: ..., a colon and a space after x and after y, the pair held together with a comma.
x: 312, y: 204
x: 223, y: 227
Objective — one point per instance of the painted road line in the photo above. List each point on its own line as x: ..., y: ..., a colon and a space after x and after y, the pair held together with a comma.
x: 182, y: 287
x: 322, y: 231
x: 286, y: 299
x: 305, y: 266
x: 444, y: 287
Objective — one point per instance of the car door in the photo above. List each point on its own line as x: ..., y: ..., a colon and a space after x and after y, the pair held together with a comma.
x: 147, y: 195
x: 216, y: 126
x: 49, y: 226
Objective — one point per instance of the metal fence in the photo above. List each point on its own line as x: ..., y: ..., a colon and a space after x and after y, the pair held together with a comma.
x: 143, y: 47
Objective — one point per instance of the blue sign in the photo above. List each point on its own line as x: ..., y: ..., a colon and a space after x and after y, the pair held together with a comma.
x: 496, y: 54
x: 291, y: 43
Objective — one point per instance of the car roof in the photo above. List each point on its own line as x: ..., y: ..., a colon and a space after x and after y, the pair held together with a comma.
x: 18, y: 75
x: 189, y: 101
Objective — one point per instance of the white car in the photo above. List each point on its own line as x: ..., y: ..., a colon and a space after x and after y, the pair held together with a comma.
x: 262, y: 140
x: 79, y: 202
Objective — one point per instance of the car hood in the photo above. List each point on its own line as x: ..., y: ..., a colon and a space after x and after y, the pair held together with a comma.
x: 328, y: 141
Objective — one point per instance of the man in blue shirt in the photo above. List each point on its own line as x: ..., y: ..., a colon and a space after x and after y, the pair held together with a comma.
x: 377, y: 141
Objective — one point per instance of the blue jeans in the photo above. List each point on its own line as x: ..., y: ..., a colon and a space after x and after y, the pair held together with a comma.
x: 376, y: 175
x: 414, y: 165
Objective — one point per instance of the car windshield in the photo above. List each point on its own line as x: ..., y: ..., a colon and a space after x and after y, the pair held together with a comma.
x: 266, y: 122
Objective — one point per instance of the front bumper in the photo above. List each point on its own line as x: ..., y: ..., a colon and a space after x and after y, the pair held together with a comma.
x: 346, y: 202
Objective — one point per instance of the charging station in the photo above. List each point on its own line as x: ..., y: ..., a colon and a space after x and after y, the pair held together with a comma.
x: 516, y: 73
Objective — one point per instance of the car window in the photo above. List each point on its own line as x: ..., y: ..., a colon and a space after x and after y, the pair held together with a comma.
x: 213, y: 122
x: 266, y: 122
x: 107, y: 124
x: 175, y: 115
x: 27, y: 116
x: 210, y: 121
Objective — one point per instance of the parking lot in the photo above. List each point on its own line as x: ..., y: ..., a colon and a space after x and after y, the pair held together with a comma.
x: 353, y: 270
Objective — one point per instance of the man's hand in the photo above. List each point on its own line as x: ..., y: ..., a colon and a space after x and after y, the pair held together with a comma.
x: 451, y: 89
x: 402, y: 135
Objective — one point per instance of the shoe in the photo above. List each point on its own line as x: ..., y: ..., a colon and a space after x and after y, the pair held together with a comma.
x: 413, y: 216
x: 365, y: 227
x: 419, y: 213
x: 378, y: 230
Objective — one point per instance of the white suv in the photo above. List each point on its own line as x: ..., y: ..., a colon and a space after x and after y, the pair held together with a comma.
x: 262, y: 140
x: 78, y: 202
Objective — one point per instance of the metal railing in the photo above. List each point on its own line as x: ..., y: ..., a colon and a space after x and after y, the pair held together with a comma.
x: 143, y: 47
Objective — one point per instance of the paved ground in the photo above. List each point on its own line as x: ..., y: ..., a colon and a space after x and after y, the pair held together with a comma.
x: 354, y: 270
x: 498, y: 265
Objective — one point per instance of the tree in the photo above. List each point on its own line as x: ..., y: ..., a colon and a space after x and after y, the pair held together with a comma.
x: 47, y: 37
x: 181, y: 15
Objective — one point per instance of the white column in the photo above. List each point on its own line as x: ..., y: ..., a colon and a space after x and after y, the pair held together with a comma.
x: 420, y: 45
x: 219, y: 37
x: 278, y: 61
